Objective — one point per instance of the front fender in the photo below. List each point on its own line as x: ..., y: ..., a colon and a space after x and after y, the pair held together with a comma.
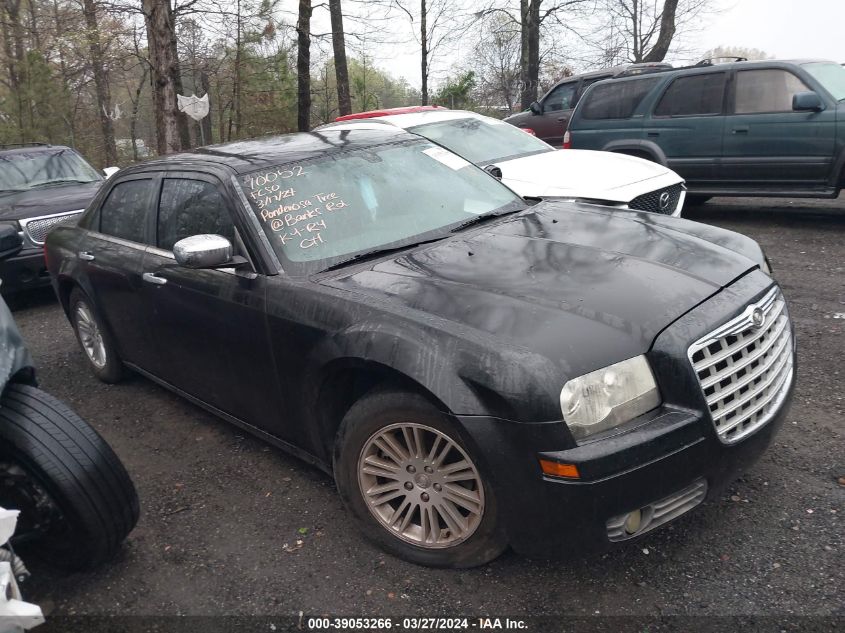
x: 640, y: 147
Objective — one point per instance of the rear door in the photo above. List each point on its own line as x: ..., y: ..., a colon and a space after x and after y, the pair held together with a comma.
x: 111, y: 257
x: 210, y: 326
x: 557, y: 108
x: 766, y: 143
x: 687, y: 122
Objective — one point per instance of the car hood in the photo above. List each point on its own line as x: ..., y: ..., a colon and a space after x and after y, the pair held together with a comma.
x: 47, y: 200
x: 584, y: 286
x: 574, y: 173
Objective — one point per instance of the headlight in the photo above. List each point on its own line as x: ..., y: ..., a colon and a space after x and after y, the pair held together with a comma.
x: 608, y: 397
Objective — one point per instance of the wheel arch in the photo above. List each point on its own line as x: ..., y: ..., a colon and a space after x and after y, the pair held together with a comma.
x: 641, y: 149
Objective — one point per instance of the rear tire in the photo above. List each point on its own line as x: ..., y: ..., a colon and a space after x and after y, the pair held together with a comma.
x: 450, y: 516
x: 75, y: 496
x: 94, y: 338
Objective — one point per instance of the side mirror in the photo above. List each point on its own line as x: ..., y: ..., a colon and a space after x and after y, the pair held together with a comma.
x: 11, y: 241
x: 536, y: 108
x: 807, y: 102
x: 203, y: 251
x: 110, y: 171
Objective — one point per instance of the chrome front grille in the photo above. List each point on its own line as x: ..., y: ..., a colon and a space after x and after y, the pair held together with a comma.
x: 745, y: 367
x: 36, y: 229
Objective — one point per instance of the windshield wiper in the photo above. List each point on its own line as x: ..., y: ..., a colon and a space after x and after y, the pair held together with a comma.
x: 484, y: 217
x: 65, y: 181
x: 379, y: 251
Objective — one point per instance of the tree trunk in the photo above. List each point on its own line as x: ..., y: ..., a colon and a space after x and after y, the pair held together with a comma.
x: 157, y: 16
x: 236, y: 83
x: 206, y: 135
x: 303, y: 66
x: 182, y: 121
x: 529, y: 59
x: 667, y: 33
x: 101, y: 82
x: 344, y: 100
x: 14, y: 48
x: 424, y: 49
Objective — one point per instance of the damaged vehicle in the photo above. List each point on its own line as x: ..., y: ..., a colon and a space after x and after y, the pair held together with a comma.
x: 75, y: 501
x: 475, y: 370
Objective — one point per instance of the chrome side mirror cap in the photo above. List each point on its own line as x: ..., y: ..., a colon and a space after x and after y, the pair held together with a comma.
x: 203, y: 251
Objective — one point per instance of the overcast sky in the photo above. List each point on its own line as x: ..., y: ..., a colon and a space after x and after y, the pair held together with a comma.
x: 782, y: 28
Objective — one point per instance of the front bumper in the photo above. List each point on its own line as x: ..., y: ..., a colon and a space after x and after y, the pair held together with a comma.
x: 674, y: 449
x: 24, y: 271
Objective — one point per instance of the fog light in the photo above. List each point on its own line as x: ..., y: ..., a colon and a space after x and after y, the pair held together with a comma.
x: 633, y: 521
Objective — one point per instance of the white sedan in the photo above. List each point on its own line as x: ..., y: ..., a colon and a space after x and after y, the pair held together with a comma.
x: 533, y: 168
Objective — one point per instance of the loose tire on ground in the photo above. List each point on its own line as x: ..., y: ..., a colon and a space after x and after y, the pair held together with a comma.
x: 94, y: 338
x: 428, y: 486
x: 62, y: 456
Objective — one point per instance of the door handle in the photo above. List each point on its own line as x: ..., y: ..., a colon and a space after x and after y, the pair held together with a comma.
x: 154, y: 279
x: 563, y: 118
x: 739, y: 130
x: 86, y: 256
x: 653, y: 134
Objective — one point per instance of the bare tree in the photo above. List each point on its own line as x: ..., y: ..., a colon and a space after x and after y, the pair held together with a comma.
x: 645, y: 30
x: 101, y: 82
x: 303, y: 66
x: 344, y: 99
x: 158, y: 18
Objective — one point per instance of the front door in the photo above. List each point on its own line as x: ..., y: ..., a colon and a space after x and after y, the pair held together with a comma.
x: 210, y: 325
x: 557, y: 108
x: 766, y: 143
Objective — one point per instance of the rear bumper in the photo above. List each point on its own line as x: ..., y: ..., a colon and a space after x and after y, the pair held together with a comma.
x: 24, y: 271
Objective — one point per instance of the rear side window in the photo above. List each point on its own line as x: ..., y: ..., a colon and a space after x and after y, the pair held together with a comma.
x: 191, y: 207
x: 618, y: 99
x: 124, y: 213
x: 561, y: 98
x: 693, y: 96
x: 767, y: 90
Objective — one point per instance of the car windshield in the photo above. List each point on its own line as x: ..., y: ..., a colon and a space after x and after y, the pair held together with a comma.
x: 481, y: 141
x: 829, y: 75
x: 25, y: 170
x: 328, y: 210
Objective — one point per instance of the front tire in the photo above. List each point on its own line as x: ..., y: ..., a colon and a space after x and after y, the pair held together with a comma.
x: 94, y: 339
x: 76, y: 499
x: 406, y: 475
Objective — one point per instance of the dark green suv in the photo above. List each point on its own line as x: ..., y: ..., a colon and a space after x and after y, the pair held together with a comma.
x: 767, y: 128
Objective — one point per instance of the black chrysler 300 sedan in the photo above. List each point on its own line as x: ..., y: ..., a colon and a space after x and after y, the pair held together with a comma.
x: 474, y: 369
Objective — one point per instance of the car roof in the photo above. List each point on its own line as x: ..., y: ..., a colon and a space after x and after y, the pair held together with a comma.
x: 28, y: 148
x: 249, y: 155
x: 407, y: 119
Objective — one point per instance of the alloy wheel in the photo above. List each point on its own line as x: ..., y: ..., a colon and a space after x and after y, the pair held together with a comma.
x: 421, y: 485
x: 90, y: 335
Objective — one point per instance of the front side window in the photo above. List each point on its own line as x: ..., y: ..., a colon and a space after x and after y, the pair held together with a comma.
x: 32, y: 169
x: 482, y: 141
x: 617, y: 99
x: 693, y: 96
x: 768, y: 90
x: 191, y: 207
x: 124, y: 213
x: 829, y: 75
x: 323, y: 211
x: 561, y: 98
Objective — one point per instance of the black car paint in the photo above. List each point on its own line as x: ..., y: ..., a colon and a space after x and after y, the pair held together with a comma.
x: 26, y: 269
x: 489, y: 323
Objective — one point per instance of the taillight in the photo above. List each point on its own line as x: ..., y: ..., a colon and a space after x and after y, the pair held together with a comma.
x: 567, y: 140
x: 528, y: 130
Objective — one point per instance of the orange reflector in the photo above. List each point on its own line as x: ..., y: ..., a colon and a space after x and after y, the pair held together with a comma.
x: 556, y: 469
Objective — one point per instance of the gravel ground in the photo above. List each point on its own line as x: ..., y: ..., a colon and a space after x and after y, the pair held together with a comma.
x: 222, y: 512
